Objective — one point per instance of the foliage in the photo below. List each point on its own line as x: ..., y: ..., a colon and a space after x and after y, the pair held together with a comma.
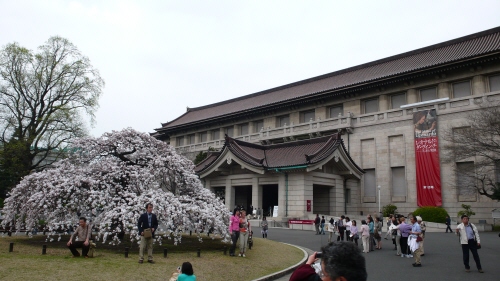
x: 431, y: 214
x: 389, y: 209
x: 110, y: 180
x: 44, y: 96
x: 478, y: 140
x: 202, y: 155
x: 466, y: 211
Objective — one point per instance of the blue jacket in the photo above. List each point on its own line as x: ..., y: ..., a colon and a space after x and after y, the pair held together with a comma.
x: 143, y: 223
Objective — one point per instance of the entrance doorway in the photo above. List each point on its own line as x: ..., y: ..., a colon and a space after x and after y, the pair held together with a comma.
x: 321, y: 199
x: 243, y: 197
x: 269, y: 198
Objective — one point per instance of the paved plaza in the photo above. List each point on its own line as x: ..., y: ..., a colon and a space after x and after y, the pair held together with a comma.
x: 442, y: 260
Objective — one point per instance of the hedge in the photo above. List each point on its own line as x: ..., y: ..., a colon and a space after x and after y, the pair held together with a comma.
x: 431, y: 214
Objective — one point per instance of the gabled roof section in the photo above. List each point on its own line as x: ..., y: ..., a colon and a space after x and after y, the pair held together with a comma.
x: 291, y: 155
x: 456, y: 50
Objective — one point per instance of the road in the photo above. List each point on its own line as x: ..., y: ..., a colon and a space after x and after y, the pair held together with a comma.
x: 442, y: 260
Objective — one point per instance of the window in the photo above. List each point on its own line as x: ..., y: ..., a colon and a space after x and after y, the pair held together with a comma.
x: 494, y: 83
x: 191, y: 139
x: 398, y: 181
x: 229, y: 131
x: 369, y: 183
x: 258, y: 125
x: 370, y: 106
x: 336, y: 110
x: 215, y: 134
x: 428, y: 94
x: 465, y: 178
x: 398, y: 100
x: 179, y: 141
x: 283, y: 120
x: 243, y: 129
x: 204, y: 137
x: 306, y: 116
x: 461, y: 89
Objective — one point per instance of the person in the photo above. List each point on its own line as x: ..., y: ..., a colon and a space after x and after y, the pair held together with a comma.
x: 371, y: 227
x: 147, y: 221
x: 259, y: 213
x: 448, y: 223
x: 340, y: 261
x: 396, y: 235
x: 414, y: 244
x: 389, y: 222
x: 234, y: 230
x: 405, y: 229
x: 424, y: 124
x: 377, y: 231
x: 347, y: 229
x: 331, y: 229
x: 354, y: 232
x: 470, y: 241
x: 423, y: 227
x: 83, y: 232
x: 365, y: 236
x: 264, y: 226
x: 317, y: 221
x: 341, y: 228
x: 186, y: 272
x: 322, y: 225
x: 244, y: 232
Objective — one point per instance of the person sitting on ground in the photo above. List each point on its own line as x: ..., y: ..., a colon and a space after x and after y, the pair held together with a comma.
x: 186, y: 272
x: 83, y: 233
x: 340, y: 261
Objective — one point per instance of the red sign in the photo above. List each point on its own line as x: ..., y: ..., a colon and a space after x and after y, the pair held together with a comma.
x: 301, y: 222
x: 427, y: 158
x: 308, y: 205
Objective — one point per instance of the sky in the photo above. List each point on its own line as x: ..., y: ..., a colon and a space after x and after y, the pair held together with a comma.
x: 159, y: 57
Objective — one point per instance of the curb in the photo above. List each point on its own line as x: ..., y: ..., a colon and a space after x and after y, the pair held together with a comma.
x: 285, y: 271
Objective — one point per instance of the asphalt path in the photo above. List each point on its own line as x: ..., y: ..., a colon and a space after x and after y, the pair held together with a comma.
x: 442, y: 260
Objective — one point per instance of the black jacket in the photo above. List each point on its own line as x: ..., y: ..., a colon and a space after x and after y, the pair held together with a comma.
x: 143, y: 223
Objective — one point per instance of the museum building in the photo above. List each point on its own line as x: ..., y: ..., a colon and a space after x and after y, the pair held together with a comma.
x: 349, y: 141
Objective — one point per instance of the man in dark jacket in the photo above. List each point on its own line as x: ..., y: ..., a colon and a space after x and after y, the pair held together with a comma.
x: 147, y: 221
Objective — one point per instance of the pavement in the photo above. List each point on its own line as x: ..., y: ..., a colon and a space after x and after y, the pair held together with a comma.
x: 442, y: 259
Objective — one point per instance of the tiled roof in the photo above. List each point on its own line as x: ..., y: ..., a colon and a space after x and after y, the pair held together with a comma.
x: 459, y: 49
x: 290, y: 154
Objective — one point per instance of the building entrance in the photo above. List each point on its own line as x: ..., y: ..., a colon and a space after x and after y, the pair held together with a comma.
x: 269, y: 198
x: 243, y: 197
x: 321, y: 199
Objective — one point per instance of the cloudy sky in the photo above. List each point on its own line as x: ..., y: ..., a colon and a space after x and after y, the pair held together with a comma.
x: 159, y: 57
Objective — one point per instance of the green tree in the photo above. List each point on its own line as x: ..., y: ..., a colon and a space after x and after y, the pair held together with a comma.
x: 476, y: 143
x: 45, y: 96
x: 466, y: 211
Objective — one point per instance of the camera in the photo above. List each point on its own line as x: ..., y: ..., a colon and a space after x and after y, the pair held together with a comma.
x: 319, y: 255
x: 179, y: 268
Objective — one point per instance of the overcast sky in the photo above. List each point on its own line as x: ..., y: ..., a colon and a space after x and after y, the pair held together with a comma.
x: 159, y: 57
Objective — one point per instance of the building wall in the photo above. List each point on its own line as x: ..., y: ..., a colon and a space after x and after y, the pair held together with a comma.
x: 382, y: 140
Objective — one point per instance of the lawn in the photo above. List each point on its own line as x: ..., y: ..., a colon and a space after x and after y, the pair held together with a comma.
x: 26, y: 262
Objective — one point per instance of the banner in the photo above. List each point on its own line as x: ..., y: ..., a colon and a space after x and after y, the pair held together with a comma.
x: 427, y: 158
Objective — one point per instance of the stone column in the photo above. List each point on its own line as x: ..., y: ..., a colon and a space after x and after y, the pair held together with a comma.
x: 321, y: 113
x: 197, y: 138
x: 221, y: 134
x: 478, y: 85
x: 256, y: 193
x: 281, y: 196
x: 251, y: 128
x: 412, y: 96
x: 443, y: 90
x: 337, y: 197
x: 383, y: 103
x: 230, y: 195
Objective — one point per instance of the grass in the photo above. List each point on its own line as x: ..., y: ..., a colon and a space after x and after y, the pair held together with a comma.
x: 26, y: 262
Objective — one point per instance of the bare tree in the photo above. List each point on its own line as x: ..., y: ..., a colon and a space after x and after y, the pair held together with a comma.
x: 475, y: 146
x: 44, y: 98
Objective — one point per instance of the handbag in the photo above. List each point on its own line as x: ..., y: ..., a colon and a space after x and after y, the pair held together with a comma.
x: 419, y: 238
x: 148, y: 233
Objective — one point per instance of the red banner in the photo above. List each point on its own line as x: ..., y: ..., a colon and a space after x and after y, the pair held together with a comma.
x: 427, y: 158
x: 300, y: 221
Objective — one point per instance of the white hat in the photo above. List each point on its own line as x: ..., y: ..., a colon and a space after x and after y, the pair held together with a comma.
x: 419, y: 218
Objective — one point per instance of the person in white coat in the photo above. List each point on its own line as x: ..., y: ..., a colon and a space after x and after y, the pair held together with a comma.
x: 470, y: 240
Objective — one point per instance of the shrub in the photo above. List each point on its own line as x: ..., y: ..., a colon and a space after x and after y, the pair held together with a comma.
x: 389, y: 209
x: 431, y: 214
x: 466, y: 211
